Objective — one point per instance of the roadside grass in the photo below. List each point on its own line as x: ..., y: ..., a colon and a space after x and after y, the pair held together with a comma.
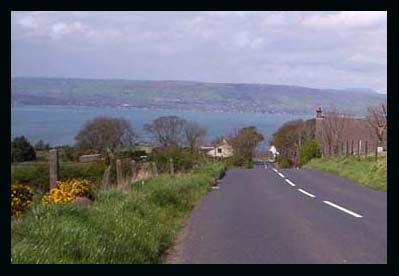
x: 133, y: 226
x: 368, y: 173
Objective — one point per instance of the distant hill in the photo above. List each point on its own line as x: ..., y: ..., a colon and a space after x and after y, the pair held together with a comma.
x: 187, y: 95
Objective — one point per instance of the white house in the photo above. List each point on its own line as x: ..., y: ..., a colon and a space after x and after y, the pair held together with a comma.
x: 274, y: 151
x: 222, y: 150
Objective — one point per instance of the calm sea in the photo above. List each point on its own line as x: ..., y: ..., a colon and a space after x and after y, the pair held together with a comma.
x: 58, y: 125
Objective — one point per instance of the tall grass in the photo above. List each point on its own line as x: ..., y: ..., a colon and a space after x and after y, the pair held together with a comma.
x: 135, y: 226
x: 368, y: 173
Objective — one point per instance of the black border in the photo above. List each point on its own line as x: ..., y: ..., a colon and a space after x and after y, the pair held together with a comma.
x: 393, y: 94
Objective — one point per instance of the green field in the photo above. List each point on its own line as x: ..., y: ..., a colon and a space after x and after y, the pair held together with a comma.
x: 368, y: 173
x: 36, y: 174
x: 135, y: 226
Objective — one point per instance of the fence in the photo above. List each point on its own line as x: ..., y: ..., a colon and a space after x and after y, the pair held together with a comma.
x: 359, y: 148
x: 139, y: 171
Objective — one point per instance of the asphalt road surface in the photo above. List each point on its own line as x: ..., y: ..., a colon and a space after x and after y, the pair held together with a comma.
x: 270, y: 216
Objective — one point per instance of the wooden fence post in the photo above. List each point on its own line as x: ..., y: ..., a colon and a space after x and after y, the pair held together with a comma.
x: 365, y: 149
x: 119, y: 174
x: 353, y: 144
x: 359, y: 148
x: 376, y: 151
x: 172, y: 167
x: 347, y: 148
x: 154, y: 169
x: 54, y: 168
x: 133, y: 168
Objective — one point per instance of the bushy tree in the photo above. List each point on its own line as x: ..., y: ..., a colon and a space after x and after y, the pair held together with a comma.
x: 101, y: 133
x: 288, y: 138
x: 309, y: 150
x: 244, y: 144
x: 22, y: 150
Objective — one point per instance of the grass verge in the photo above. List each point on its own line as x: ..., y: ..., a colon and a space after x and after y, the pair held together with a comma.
x: 136, y: 226
x: 369, y: 173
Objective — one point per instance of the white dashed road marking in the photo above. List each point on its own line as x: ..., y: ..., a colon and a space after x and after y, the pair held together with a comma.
x: 313, y: 196
x: 289, y: 182
x: 343, y: 209
x: 306, y: 193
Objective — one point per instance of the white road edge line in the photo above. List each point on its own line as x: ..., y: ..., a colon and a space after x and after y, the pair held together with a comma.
x: 289, y: 182
x: 342, y: 209
x: 275, y: 170
x: 306, y: 193
x: 280, y: 174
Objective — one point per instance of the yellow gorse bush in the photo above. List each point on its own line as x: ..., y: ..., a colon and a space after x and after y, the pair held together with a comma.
x: 21, y: 198
x: 67, y: 191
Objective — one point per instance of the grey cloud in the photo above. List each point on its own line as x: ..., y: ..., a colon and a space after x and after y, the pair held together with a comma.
x: 317, y: 49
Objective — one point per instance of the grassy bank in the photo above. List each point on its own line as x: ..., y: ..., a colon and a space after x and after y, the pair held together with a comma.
x: 136, y: 226
x: 368, y: 173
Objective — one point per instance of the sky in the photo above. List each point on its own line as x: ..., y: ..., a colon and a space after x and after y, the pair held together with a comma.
x: 346, y: 49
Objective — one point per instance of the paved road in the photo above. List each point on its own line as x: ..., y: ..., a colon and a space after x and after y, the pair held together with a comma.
x: 287, y: 216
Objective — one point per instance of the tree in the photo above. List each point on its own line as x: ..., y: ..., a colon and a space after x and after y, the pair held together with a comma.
x: 288, y: 138
x: 377, y: 119
x: 244, y: 144
x: 101, y: 133
x: 22, y: 150
x: 333, y: 129
x: 193, y: 134
x: 167, y: 130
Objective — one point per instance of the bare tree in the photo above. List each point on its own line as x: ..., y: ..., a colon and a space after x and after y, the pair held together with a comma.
x: 167, y: 130
x: 377, y: 119
x: 193, y: 133
x: 333, y: 129
x: 103, y: 133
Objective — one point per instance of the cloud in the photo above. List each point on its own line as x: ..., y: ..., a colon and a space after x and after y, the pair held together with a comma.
x: 317, y: 49
x: 351, y: 19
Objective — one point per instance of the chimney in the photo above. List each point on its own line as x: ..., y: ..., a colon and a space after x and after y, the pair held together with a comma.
x: 319, y: 113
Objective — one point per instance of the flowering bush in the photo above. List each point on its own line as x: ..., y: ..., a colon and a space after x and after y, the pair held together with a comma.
x: 21, y: 198
x: 67, y: 191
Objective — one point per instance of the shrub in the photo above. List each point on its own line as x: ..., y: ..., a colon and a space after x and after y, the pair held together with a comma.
x: 22, y: 150
x: 67, y: 191
x: 133, y: 154
x: 183, y: 160
x: 21, y: 198
x: 69, y: 153
x: 309, y: 150
x: 284, y: 162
